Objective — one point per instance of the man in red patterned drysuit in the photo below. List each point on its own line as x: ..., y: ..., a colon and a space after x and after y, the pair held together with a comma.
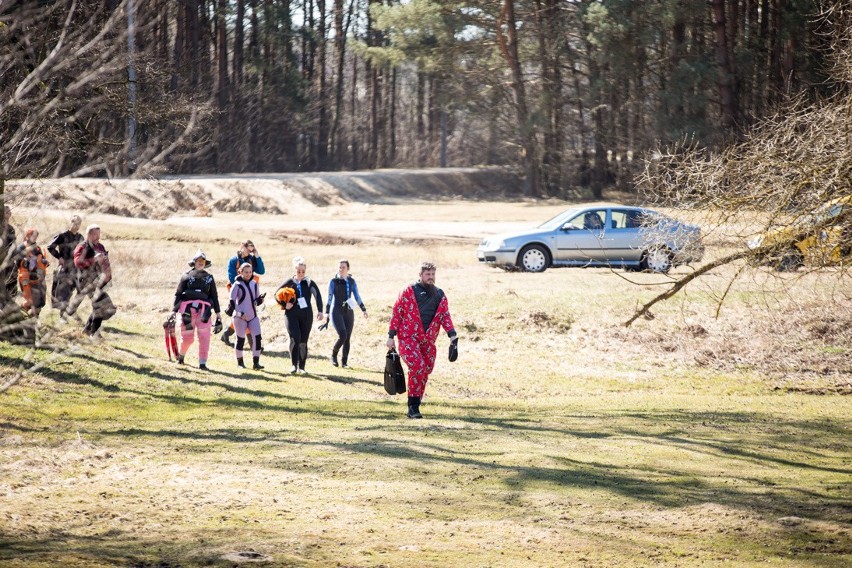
x: 418, y: 314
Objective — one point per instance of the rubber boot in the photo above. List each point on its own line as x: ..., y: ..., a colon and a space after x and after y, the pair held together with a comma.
x: 257, y: 366
x: 414, y: 407
x: 241, y: 363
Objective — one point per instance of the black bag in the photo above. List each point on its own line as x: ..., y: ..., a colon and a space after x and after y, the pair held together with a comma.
x: 394, y: 375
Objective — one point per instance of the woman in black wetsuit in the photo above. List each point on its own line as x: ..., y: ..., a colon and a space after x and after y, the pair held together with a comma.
x: 343, y: 296
x: 299, y: 313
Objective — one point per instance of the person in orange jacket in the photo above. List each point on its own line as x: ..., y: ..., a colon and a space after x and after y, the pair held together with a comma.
x: 32, y: 272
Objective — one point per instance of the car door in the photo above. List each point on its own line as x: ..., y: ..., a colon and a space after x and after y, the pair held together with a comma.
x: 622, y: 238
x: 580, y: 239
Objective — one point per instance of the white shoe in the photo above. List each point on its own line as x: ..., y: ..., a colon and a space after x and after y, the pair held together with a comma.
x: 293, y: 370
x: 303, y: 372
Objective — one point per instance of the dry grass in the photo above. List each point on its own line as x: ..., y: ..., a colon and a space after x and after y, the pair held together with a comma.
x: 559, y: 438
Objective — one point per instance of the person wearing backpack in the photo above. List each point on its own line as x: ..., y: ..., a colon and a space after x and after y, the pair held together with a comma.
x: 196, y: 300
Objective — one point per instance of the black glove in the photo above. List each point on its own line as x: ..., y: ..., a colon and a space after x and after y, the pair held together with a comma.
x: 170, y: 322
x: 260, y: 298
x: 454, y: 349
x: 324, y: 326
x: 217, y: 327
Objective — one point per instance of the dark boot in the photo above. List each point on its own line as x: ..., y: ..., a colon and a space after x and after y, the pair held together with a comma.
x: 226, y: 336
x: 257, y: 366
x: 241, y: 363
x: 414, y: 407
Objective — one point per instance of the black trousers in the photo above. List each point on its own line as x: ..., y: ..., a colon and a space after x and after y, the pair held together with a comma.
x: 343, y: 319
x: 299, y: 323
x: 64, y: 285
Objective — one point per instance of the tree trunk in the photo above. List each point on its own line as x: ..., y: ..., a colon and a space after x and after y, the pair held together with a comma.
x: 180, y: 47
x: 509, y: 48
x: 776, y: 75
x: 239, y: 41
x: 192, y: 13
x: 391, y: 98
x: 420, y: 144
x: 375, y: 73
x: 727, y: 98
x: 676, y: 111
x: 223, y: 91
x: 340, y: 30
x: 547, y: 19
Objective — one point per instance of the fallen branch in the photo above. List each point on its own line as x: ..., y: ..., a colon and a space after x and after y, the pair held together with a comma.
x: 680, y: 283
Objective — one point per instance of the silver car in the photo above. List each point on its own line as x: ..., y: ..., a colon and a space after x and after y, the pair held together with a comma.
x: 597, y: 235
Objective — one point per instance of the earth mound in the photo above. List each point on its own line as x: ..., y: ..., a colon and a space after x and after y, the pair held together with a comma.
x: 164, y: 197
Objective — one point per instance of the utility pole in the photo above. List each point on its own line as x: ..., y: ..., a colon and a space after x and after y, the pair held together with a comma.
x: 131, y: 88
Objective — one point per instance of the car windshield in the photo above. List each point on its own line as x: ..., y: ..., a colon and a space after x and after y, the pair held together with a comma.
x: 559, y: 220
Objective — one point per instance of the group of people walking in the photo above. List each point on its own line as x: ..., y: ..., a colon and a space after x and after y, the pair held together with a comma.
x: 83, y: 271
x: 196, y: 301
x: 419, y: 313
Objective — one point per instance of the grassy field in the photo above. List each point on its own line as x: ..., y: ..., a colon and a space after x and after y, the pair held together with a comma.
x: 706, y: 436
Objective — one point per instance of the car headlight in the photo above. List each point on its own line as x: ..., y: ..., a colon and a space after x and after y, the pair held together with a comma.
x: 490, y: 245
x: 755, y: 242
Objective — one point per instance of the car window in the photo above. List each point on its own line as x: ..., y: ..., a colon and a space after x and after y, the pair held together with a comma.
x: 558, y: 220
x: 590, y: 220
x: 624, y: 219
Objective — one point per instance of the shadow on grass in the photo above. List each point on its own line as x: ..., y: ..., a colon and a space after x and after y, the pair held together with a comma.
x: 78, y: 378
x: 119, y: 331
x: 115, y: 548
x: 676, y: 486
x: 344, y: 380
x: 732, y: 438
x: 19, y: 428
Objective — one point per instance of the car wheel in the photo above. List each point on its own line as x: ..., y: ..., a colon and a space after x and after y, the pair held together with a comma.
x: 534, y: 258
x: 657, y: 259
x: 790, y: 261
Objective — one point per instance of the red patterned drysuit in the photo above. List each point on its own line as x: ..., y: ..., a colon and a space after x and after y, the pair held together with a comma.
x: 416, y: 344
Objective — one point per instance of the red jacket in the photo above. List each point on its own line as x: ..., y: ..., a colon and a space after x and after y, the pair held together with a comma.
x: 405, y: 319
x: 92, y: 270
